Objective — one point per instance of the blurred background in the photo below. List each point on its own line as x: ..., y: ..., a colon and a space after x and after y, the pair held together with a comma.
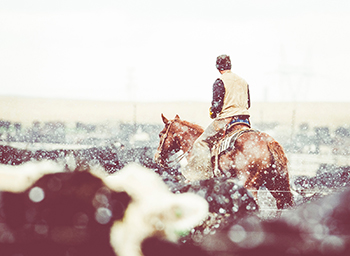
x: 90, y: 72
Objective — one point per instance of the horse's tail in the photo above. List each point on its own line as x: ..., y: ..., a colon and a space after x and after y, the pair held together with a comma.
x: 282, y: 179
x: 280, y: 159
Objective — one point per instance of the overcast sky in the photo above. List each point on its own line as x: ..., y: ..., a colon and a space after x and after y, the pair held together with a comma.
x: 158, y: 50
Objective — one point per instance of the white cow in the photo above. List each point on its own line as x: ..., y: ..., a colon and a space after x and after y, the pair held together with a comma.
x: 154, y: 210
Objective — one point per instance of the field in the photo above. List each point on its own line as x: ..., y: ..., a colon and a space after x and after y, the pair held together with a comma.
x: 79, y: 134
x: 283, y: 120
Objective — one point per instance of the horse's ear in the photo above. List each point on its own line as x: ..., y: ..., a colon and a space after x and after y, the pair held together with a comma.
x: 177, y: 117
x: 165, y: 120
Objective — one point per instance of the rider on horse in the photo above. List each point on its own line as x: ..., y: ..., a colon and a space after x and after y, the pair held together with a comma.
x: 230, y: 104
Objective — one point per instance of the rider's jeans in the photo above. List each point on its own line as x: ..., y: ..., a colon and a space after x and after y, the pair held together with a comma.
x: 199, y: 165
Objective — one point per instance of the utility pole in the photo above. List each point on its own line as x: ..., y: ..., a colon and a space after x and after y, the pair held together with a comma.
x: 131, y: 88
x: 294, y: 81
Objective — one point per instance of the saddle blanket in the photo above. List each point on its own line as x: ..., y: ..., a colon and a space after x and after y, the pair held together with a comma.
x: 228, y: 143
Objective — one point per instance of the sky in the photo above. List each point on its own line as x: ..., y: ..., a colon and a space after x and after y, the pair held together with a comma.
x: 158, y: 50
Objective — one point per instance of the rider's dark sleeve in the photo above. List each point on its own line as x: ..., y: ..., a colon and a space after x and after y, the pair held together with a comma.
x: 218, y: 97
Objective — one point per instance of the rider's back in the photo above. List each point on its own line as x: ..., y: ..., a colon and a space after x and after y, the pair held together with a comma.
x: 236, y: 95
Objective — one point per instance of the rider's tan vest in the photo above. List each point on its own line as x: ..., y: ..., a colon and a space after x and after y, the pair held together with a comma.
x: 236, y: 96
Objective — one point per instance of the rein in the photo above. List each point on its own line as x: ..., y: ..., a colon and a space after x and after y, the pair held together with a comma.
x: 180, y: 157
x: 177, y: 158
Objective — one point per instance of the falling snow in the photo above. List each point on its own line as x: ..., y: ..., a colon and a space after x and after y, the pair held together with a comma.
x: 113, y: 147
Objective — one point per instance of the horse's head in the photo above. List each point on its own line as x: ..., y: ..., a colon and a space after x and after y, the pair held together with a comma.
x: 169, y: 141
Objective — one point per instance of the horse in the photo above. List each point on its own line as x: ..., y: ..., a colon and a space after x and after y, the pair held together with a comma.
x: 256, y: 159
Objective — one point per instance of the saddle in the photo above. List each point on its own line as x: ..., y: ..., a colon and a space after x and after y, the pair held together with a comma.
x: 227, y: 143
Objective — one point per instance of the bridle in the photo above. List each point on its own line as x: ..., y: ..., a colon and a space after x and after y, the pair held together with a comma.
x: 178, y: 158
x: 165, y: 137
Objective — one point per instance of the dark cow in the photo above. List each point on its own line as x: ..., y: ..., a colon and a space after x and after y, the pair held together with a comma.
x: 13, y: 156
x: 111, y: 157
x: 107, y: 156
x: 318, y: 228
x: 61, y: 214
x: 228, y: 202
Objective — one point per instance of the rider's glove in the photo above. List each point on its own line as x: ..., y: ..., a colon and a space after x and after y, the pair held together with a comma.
x: 212, y: 115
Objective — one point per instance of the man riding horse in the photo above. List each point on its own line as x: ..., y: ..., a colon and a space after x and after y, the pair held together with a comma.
x: 230, y: 104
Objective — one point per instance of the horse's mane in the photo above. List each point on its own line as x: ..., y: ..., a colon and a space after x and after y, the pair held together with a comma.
x: 192, y: 125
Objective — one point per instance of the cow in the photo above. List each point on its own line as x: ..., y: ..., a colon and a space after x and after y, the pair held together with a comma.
x: 228, y: 202
x: 321, y: 227
x: 160, y: 212
x: 106, y: 156
x: 47, y: 210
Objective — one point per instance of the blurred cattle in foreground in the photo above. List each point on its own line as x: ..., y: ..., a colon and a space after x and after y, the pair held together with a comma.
x: 46, y: 210
x: 228, y: 202
x: 154, y: 210
x: 59, y: 213
x: 318, y: 228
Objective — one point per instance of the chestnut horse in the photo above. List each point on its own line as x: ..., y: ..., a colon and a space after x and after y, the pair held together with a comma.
x: 256, y: 159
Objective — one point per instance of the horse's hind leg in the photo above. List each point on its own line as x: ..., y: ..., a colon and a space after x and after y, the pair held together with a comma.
x: 279, y: 187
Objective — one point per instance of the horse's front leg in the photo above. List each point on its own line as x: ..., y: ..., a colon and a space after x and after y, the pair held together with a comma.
x: 254, y: 193
x: 198, y: 165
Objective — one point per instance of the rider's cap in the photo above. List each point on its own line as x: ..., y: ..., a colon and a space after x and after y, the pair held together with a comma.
x: 223, y: 62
